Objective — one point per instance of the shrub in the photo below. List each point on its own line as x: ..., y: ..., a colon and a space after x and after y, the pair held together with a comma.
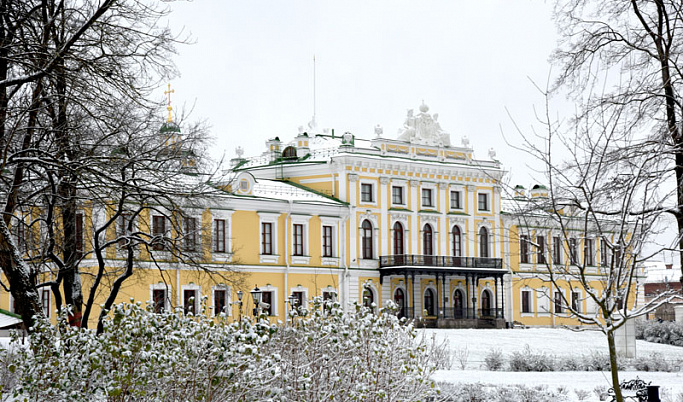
x: 653, y: 362
x: 146, y: 356
x: 669, y: 333
x: 494, y: 360
x: 527, y: 360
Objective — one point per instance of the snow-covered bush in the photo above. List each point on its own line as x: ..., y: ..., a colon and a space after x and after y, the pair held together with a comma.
x: 527, y: 360
x: 499, y: 393
x: 669, y: 333
x: 494, y: 360
x: 653, y: 362
x: 146, y: 356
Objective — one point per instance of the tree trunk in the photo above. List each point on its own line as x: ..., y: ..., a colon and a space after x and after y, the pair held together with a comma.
x: 614, y: 369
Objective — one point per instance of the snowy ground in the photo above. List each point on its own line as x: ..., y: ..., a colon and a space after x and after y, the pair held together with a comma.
x: 558, y: 342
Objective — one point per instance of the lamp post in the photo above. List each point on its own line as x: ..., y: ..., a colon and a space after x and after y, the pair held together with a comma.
x: 239, y: 303
x: 256, y: 294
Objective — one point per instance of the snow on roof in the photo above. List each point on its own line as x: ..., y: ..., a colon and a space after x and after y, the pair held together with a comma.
x: 8, y: 319
x: 276, y: 189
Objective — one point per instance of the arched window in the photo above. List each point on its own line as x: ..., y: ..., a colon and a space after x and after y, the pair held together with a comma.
x: 368, y: 298
x: 483, y: 242
x: 398, y: 239
x: 400, y: 300
x: 427, y: 240
x: 456, y: 238
x: 429, y: 302
x: 367, y: 240
x: 486, y: 308
x: 458, y: 304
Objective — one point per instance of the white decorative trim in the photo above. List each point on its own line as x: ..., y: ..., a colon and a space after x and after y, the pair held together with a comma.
x: 269, y: 258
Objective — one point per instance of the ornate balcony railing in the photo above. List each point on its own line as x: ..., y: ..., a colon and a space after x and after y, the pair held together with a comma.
x: 439, y: 261
x: 456, y: 313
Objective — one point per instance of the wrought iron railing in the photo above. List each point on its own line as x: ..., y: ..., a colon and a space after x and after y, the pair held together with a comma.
x: 439, y: 261
x: 456, y: 313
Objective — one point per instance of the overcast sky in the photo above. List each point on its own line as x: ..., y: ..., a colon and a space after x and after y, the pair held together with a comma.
x: 250, y: 72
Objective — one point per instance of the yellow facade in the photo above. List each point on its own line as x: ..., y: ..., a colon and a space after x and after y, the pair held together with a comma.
x: 421, y: 224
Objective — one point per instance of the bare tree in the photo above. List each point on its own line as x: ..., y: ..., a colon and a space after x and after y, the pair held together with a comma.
x: 632, y: 50
x: 588, y: 229
x: 77, y: 129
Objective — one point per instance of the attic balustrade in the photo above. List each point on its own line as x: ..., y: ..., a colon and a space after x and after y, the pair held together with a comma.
x: 439, y: 261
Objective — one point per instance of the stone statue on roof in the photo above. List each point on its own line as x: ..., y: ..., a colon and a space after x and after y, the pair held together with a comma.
x: 423, y: 129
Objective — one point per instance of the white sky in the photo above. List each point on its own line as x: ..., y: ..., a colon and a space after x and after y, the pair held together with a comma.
x: 250, y: 73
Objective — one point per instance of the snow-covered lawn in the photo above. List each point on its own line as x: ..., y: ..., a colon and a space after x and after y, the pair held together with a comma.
x: 558, y: 342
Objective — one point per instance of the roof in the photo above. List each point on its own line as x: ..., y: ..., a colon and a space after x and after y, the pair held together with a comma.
x: 8, y: 319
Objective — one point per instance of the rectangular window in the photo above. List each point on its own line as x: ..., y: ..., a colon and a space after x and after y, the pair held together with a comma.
x: 589, y: 252
x: 298, y: 299
x: 298, y: 239
x: 190, y: 301
x: 79, y: 234
x: 158, y: 232
x: 526, y: 301
x: 524, y: 249
x: 220, y: 301
x: 397, y: 195
x: 45, y: 301
x: 20, y: 237
x: 604, y: 252
x: 558, y: 303
x: 124, y: 228
x: 219, y: 236
x: 427, y: 197
x: 557, y: 250
x: 483, y: 202
x: 190, y: 234
x: 267, y: 299
x: 267, y: 238
x: 540, y: 249
x: 366, y: 193
x: 159, y: 300
x: 327, y: 241
x: 455, y: 200
x: 576, y: 302
x: 573, y: 252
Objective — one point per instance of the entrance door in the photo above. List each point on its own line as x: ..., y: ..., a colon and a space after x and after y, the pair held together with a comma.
x: 399, y: 299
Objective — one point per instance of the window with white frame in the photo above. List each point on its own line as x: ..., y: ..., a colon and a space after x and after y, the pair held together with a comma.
x: 267, y: 298
x: 367, y: 240
x: 456, y: 199
x: 557, y: 250
x: 456, y: 241
x: 45, y: 301
x: 589, y: 252
x: 125, y: 226
x: 298, y: 233
x: 221, y: 300
x: 300, y: 237
x: 524, y: 249
x: 398, y: 195
x: 158, y: 295
x: 483, y: 202
x: 159, y: 232
x: 190, y: 300
x: 540, y: 249
x: 576, y: 301
x: 573, y: 252
x: 219, y: 236
x: 191, y: 234
x: 367, y: 192
x: 604, y: 252
x: 427, y: 198
x: 526, y: 301
x: 559, y: 303
x: 268, y: 236
x: 328, y: 241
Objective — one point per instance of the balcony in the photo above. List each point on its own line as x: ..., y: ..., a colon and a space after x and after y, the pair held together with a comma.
x: 412, y: 260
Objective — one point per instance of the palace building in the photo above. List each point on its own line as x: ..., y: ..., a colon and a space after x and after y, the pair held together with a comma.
x: 414, y: 219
